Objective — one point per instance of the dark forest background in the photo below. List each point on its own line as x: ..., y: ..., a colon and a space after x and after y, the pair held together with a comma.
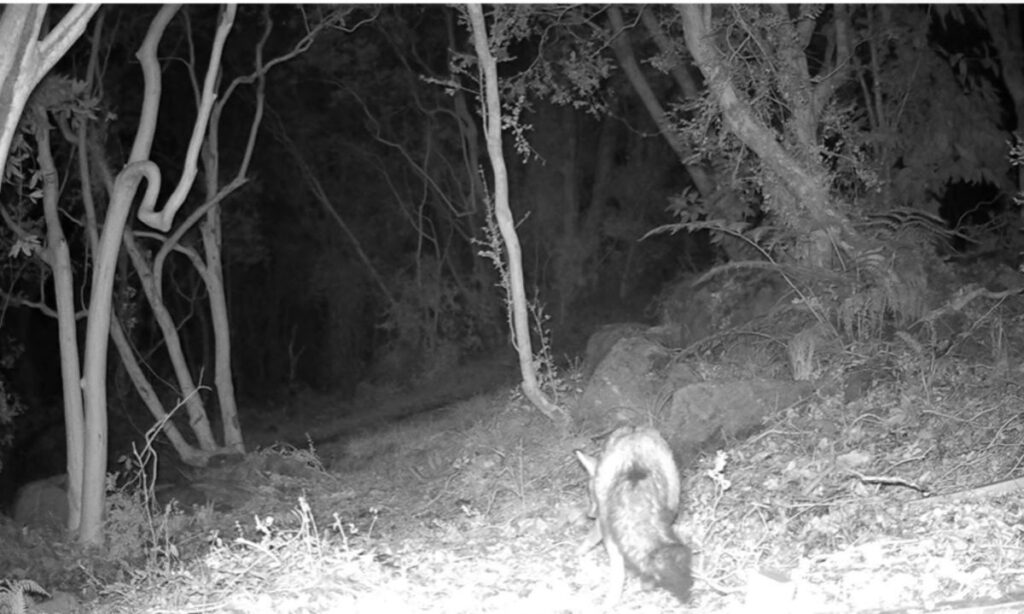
x: 352, y: 254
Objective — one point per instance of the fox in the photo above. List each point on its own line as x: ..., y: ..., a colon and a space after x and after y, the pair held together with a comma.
x: 634, y: 497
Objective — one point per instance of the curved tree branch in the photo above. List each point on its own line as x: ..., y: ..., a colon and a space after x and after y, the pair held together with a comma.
x: 624, y: 51
x: 738, y: 115
x: 163, y: 219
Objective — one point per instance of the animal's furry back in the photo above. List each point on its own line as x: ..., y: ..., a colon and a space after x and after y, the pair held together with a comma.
x: 636, y: 487
x: 639, y: 519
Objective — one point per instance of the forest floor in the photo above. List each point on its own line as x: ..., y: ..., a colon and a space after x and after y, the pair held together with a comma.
x: 479, y: 506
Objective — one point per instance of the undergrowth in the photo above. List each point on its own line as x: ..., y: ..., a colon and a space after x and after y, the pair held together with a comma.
x: 14, y: 595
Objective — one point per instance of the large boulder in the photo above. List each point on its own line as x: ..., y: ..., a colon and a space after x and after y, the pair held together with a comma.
x: 634, y: 379
x: 43, y: 503
x: 640, y: 381
x: 602, y: 342
x: 711, y: 413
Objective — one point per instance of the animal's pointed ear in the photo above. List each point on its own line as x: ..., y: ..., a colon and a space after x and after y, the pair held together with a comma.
x: 589, y: 462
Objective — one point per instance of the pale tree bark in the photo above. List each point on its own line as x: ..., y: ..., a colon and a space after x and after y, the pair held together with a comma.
x: 488, y: 78
x: 25, y: 60
x: 207, y: 262
x: 623, y: 48
x: 125, y: 187
x: 58, y: 257
x: 153, y: 290
x: 162, y: 220
x: 798, y: 191
x: 713, y: 191
x: 96, y: 335
x: 212, y: 269
x: 669, y: 48
x: 150, y: 276
x: 189, y: 454
x: 223, y: 380
x: 87, y: 435
x: 98, y: 327
x: 469, y: 133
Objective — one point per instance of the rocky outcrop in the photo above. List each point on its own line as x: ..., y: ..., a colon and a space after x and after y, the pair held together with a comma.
x: 43, y: 503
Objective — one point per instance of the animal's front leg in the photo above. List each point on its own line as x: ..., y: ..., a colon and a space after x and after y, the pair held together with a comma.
x: 616, y: 573
x: 592, y: 539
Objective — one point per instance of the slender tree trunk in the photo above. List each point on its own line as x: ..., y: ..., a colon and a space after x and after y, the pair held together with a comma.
x: 677, y: 69
x: 24, y: 61
x: 58, y: 257
x: 188, y: 453
x: 506, y: 223
x: 624, y: 52
x: 97, y: 331
x: 210, y: 229
x: 97, y: 334
x: 198, y: 419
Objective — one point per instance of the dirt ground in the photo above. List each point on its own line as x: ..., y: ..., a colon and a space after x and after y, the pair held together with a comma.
x: 478, y: 505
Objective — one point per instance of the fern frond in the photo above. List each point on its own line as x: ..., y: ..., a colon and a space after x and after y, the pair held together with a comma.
x: 13, y: 594
x: 907, y: 223
x: 889, y: 288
